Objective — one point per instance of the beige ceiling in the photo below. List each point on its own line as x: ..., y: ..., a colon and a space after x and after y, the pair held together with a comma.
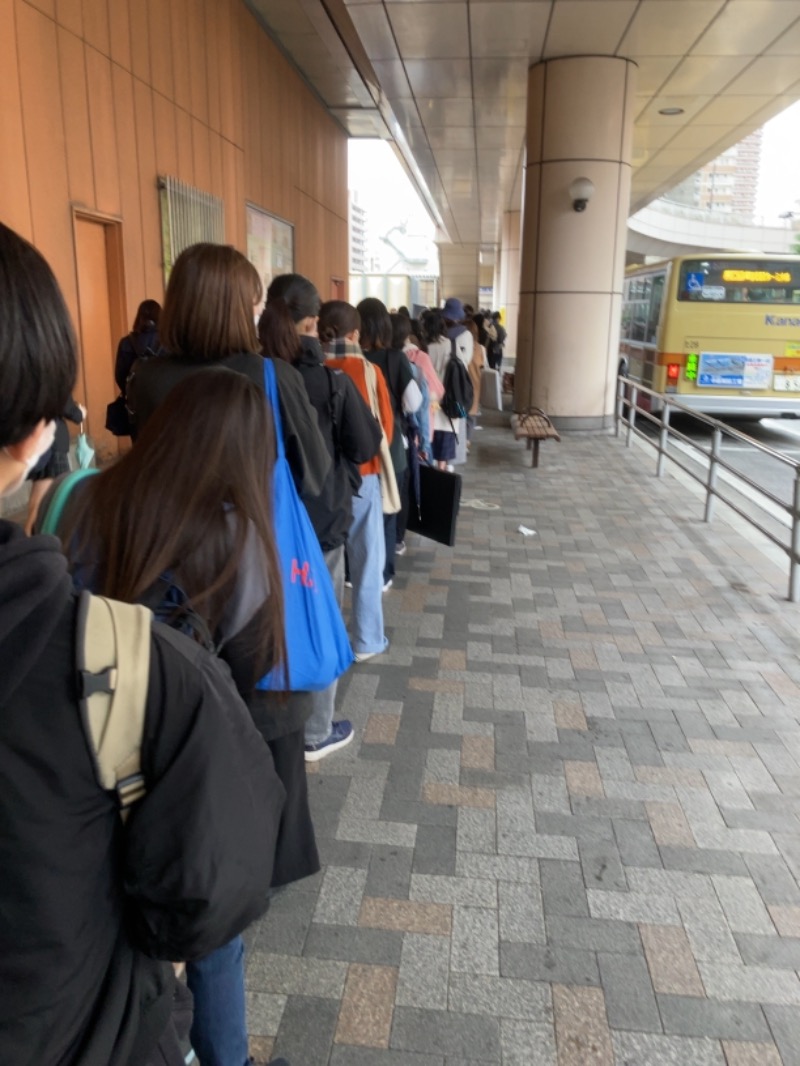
x: 446, y: 80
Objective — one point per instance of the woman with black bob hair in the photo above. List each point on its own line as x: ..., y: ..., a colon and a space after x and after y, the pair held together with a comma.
x: 287, y: 329
x: 405, y: 396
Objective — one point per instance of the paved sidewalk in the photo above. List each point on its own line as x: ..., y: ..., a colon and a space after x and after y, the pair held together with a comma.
x: 568, y: 832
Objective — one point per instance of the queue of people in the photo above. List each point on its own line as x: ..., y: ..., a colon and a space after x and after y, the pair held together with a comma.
x: 108, y: 894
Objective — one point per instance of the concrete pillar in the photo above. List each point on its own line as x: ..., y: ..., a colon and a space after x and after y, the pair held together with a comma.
x: 459, y: 272
x: 580, y: 125
x: 507, y: 298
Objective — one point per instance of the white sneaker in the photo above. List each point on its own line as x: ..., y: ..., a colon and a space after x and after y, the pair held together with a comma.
x: 388, y: 585
x: 364, y: 656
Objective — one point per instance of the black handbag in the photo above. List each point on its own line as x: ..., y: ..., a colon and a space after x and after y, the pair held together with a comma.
x: 117, y: 419
x: 433, y: 510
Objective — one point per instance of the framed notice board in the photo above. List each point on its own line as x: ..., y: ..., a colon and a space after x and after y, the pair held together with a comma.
x: 270, y: 244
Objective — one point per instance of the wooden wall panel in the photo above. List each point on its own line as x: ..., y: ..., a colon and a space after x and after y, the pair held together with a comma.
x: 148, y: 192
x: 161, y: 48
x: 48, y: 7
x: 75, y: 107
x: 96, y: 29
x: 108, y: 94
x: 69, y: 14
x: 119, y: 23
x: 164, y: 113
x: 211, y: 13
x: 201, y: 154
x: 130, y: 203
x: 183, y: 130
x: 180, y: 54
x: 229, y: 73
x: 104, y: 132
x: 45, y: 150
x: 217, y: 186
x: 140, y: 40
x: 230, y: 192
x: 15, y: 206
x: 195, y: 37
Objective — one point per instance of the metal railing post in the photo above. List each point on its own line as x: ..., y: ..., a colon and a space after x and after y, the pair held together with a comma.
x: 620, y: 405
x: 663, y: 440
x: 794, y: 557
x: 632, y: 414
x: 711, y: 484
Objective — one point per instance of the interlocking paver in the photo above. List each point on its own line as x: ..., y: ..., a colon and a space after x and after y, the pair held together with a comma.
x: 571, y: 816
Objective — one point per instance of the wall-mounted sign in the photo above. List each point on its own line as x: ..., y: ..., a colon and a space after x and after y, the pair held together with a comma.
x: 270, y: 244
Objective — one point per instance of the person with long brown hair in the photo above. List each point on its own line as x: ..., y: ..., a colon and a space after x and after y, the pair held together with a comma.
x: 207, y: 322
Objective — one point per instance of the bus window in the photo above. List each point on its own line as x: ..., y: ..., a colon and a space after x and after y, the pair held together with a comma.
x: 656, y: 299
x: 770, y: 281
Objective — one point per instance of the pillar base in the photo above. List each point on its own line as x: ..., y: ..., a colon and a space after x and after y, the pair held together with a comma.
x: 588, y: 424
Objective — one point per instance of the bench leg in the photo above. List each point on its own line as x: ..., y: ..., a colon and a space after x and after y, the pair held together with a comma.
x: 535, y: 461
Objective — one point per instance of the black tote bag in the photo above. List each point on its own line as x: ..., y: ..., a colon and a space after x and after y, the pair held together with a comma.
x: 433, y: 511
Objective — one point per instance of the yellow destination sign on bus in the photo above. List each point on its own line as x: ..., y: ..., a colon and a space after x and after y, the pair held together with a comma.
x: 782, y: 276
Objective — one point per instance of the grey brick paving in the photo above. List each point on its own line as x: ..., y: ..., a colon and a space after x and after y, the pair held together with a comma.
x: 597, y: 730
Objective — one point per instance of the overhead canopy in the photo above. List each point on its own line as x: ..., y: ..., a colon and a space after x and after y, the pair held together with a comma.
x: 446, y: 81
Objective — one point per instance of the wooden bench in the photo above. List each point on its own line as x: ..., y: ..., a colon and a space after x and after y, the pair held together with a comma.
x: 533, y: 425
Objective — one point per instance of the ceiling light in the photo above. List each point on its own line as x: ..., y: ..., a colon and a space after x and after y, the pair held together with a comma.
x: 670, y: 111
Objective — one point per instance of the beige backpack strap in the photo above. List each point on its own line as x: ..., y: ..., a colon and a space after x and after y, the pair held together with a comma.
x: 113, y: 659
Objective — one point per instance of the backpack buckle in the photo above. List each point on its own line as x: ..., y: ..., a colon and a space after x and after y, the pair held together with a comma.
x: 90, y: 684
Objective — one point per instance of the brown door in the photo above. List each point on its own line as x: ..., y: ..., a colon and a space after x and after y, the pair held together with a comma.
x: 97, y: 282
x: 337, y: 289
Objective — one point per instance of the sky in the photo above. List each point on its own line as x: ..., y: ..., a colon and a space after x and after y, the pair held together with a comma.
x: 779, y: 179
x: 386, y: 193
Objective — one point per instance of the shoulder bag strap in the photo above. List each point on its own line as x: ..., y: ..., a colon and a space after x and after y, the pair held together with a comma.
x: 113, y: 660
x: 271, y: 389
x: 58, y: 501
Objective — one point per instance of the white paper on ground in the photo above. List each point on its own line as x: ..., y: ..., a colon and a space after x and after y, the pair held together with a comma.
x: 526, y: 532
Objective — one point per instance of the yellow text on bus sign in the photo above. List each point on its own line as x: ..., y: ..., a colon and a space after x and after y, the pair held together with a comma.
x: 783, y: 276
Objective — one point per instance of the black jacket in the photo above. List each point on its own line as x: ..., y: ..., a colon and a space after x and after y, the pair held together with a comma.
x: 310, y: 462
x: 135, y: 346
x: 397, y: 370
x: 351, y: 434
x: 86, y: 904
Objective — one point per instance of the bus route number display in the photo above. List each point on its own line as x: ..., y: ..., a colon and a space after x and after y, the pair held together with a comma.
x: 734, y: 370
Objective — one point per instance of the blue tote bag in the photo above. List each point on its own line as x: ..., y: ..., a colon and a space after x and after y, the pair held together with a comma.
x: 317, y: 646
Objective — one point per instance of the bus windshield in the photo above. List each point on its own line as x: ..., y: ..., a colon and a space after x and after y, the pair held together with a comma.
x: 733, y: 281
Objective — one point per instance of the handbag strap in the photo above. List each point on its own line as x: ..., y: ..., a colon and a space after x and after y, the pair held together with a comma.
x: 271, y: 389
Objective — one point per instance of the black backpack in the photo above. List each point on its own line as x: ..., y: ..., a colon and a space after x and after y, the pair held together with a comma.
x: 458, y: 390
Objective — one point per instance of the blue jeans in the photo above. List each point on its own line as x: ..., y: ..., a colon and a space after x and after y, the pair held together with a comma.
x: 366, y: 553
x: 318, y: 725
x: 219, y: 1029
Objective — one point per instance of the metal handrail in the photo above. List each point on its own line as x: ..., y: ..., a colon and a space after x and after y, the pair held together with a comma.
x: 627, y: 410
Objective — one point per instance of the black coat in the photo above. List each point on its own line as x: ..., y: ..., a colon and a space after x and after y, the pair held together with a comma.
x: 308, y: 456
x: 88, y: 905
x: 396, y: 369
x: 351, y: 434
x: 135, y: 346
